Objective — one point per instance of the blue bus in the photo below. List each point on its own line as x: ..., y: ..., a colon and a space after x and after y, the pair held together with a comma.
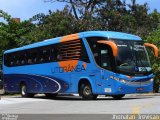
x: 89, y: 63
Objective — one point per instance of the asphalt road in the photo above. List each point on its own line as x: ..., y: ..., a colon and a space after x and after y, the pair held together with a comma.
x: 130, y: 104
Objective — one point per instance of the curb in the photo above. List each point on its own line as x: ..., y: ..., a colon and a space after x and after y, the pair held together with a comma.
x: 147, y: 94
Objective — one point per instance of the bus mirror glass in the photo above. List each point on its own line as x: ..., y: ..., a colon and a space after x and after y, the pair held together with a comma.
x: 155, y: 49
x: 112, y: 45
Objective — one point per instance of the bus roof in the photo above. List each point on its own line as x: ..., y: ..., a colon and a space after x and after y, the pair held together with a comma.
x: 107, y: 34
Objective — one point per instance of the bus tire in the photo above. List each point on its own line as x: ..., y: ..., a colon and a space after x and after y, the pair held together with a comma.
x: 118, y: 97
x: 86, y: 92
x: 24, y: 93
x: 51, y: 95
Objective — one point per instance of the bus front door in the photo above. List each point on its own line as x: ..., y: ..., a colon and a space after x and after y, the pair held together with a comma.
x: 105, y: 61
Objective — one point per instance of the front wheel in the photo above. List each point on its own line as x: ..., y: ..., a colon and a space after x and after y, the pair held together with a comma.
x: 24, y: 92
x: 118, y: 97
x: 86, y: 92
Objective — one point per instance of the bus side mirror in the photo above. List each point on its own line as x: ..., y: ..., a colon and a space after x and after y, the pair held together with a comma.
x: 154, y: 48
x: 112, y: 45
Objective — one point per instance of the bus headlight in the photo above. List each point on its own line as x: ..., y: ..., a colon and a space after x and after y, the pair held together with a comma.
x: 118, y: 79
x: 149, y: 81
x: 123, y: 81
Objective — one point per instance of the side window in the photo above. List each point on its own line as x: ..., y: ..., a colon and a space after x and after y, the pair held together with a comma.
x: 23, y: 58
x: 59, y: 52
x: 11, y: 59
x: 45, y: 55
x: 106, y: 56
x: 52, y: 53
x: 71, y: 50
x: 14, y: 60
x: 7, y: 60
x: 29, y: 57
x: 84, y: 56
x: 102, y: 53
x: 17, y: 59
x: 92, y: 41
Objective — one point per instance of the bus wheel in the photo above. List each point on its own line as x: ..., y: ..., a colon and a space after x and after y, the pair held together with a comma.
x: 24, y: 91
x: 51, y: 95
x: 118, y: 97
x: 86, y: 92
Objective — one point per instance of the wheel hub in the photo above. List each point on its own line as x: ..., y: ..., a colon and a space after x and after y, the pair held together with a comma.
x: 87, y: 91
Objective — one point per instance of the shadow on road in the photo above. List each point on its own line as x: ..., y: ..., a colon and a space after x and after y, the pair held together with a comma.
x: 78, y: 98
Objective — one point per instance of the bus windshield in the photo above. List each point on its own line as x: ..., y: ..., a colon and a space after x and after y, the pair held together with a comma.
x: 132, y: 57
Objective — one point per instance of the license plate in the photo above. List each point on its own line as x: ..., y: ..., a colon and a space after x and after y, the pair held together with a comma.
x: 108, y: 90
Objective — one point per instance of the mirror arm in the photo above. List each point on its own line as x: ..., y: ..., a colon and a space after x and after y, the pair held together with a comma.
x: 112, y: 45
x: 154, y: 48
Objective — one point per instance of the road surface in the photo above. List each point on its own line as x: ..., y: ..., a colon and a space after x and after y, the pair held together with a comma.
x: 130, y: 104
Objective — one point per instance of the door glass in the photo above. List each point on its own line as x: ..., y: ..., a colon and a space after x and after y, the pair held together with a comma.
x: 105, y: 56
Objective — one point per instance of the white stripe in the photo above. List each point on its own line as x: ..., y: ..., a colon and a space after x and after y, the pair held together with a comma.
x: 50, y: 79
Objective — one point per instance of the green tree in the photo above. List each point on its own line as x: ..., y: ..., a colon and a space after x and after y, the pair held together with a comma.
x: 154, y: 20
x: 84, y: 13
x: 111, y: 13
x: 133, y: 18
x: 80, y: 8
x: 12, y: 33
x: 54, y: 24
x: 154, y: 38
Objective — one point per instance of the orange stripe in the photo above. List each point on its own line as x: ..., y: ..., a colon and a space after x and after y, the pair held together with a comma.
x: 74, y: 50
x: 67, y: 59
x: 85, y: 65
x: 72, y: 63
x: 75, y: 47
x: 69, y: 37
x: 71, y: 53
x: 112, y: 45
x: 71, y: 56
x: 70, y: 42
x: 75, y: 44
